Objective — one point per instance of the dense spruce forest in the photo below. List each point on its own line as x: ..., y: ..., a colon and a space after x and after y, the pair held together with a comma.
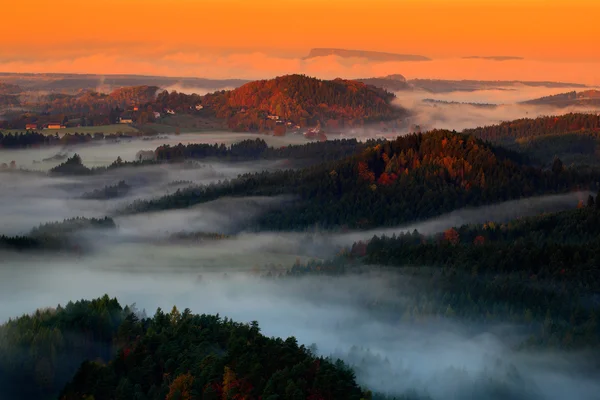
x: 257, y: 149
x: 571, y: 137
x: 413, y: 177
x: 174, y: 355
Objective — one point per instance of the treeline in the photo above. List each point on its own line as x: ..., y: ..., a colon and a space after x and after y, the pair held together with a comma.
x: 74, y: 166
x: 174, y: 355
x: 508, y: 132
x: 255, y: 149
x: 108, y: 192
x: 34, y: 139
x: 54, y: 236
x: 26, y: 139
x: 40, y: 353
x: 574, y: 138
x: 414, y: 177
x: 540, y: 272
x: 246, y: 150
x: 575, y: 149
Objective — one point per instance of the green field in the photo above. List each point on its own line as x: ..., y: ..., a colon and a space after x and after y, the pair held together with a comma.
x: 107, y: 129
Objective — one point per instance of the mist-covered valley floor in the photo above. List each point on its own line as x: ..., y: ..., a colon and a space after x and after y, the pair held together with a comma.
x: 357, y: 317
x: 400, y: 327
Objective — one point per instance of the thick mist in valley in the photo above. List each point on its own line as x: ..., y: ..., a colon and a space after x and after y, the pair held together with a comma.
x: 141, y: 263
x: 466, y: 110
x: 355, y: 317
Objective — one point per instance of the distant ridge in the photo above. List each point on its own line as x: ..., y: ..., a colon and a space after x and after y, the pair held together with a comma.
x: 584, y: 98
x: 370, y: 55
x: 397, y: 82
x: 494, y: 58
x: 394, y: 83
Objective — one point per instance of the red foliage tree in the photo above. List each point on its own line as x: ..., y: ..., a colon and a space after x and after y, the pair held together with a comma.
x: 452, y: 236
x: 365, y: 173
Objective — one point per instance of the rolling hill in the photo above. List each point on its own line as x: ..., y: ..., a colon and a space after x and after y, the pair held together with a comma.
x: 304, y: 101
x: 411, y: 178
x: 584, y: 98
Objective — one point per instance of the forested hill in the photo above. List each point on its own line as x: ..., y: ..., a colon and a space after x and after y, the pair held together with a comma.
x: 304, y: 101
x: 583, y: 98
x: 540, y: 273
x: 509, y: 131
x: 411, y: 178
x: 174, y: 355
x: 574, y: 138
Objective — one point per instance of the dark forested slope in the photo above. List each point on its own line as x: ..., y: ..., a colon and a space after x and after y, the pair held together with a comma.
x: 574, y: 138
x: 174, y: 355
x: 413, y: 177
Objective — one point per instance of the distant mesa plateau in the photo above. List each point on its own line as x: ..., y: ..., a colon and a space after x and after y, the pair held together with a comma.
x: 494, y: 58
x: 370, y: 55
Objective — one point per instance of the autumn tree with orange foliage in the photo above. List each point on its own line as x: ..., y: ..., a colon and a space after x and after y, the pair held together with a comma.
x: 365, y: 173
x: 181, y: 388
x: 452, y: 236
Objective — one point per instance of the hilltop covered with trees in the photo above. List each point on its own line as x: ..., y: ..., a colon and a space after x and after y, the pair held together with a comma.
x: 304, y: 101
x: 540, y: 273
x: 293, y: 99
x: 510, y: 131
x: 574, y: 138
x: 111, y: 352
x: 413, y: 177
x: 574, y: 98
x: 55, y: 236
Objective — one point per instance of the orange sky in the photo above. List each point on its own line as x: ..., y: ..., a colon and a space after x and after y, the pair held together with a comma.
x: 132, y: 36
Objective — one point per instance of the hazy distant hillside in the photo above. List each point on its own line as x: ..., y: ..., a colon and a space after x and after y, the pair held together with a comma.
x: 444, y: 86
x: 574, y: 138
x: 397, y: 82
x: 72, y: 83
x: 370, y: 55
x: 394, y: 83
x: 458, y: 103
x: 9, y: 88
x: 583, y: 98
x: 304, y: 101
x: 135, y: 95
x: 493, y: 58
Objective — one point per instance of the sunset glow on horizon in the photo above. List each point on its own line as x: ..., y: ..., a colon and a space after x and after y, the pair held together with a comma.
x: 216, y: 38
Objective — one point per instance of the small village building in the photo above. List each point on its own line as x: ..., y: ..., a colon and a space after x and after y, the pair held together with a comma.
x: 31, y: 127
